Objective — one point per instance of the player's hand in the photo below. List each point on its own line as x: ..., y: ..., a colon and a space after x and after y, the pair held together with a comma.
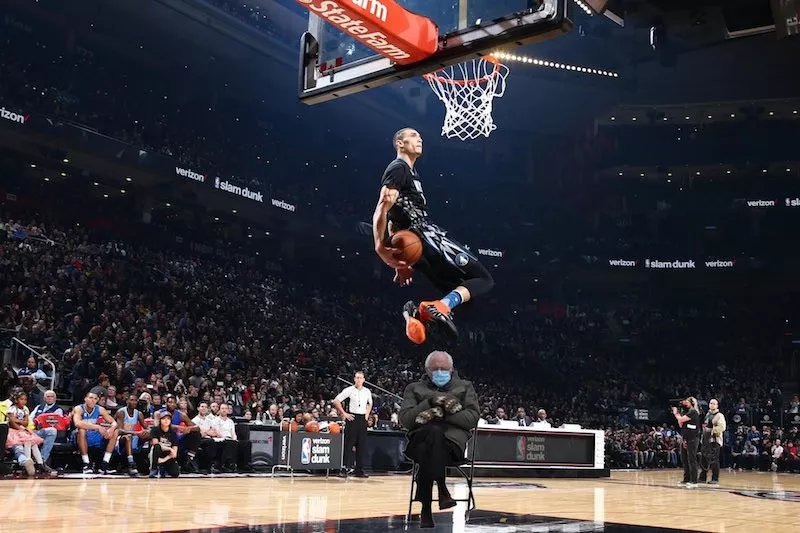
x: 388, y: 256
x: 348, y: 417
x: 404, y: 276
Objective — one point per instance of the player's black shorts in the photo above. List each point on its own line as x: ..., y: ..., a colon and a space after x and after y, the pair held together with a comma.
x: 448, y: 263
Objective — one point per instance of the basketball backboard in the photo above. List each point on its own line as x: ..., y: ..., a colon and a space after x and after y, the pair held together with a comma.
x: 405, y: 38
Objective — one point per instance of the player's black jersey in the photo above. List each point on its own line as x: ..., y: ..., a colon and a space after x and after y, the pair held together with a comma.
x: 410, y: 211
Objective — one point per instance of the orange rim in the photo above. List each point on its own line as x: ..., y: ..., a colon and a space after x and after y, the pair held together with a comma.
x: 444, y: 79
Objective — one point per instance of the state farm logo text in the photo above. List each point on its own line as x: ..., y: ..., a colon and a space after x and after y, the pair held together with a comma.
x: 13, y: 117
x: 190, y: 174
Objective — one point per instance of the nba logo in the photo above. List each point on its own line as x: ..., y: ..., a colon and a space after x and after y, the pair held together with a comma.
x: 522, y: 448
x: 305, y: 451
x: 216, y: 183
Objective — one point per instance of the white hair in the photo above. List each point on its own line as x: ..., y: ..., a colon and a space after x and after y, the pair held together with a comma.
x: 434, y: 354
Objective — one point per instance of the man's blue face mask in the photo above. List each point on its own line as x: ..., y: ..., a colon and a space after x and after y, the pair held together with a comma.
x: 440, y: 378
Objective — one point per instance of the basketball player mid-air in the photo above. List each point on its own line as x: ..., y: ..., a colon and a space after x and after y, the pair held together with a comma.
x: 452, y: 269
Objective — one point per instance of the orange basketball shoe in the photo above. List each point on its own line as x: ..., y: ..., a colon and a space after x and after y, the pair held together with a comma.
x: 415, y: 330
x: 437, y: 311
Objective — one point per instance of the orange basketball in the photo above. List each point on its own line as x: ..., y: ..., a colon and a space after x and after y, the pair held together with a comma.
x: 334, y: 428
x: 312, y: 427
x: 408, y: 245
x: 285, y: 425
x: 293, y: 426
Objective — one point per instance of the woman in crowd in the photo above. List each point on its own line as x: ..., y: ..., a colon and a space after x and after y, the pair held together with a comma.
x: 21, y: 439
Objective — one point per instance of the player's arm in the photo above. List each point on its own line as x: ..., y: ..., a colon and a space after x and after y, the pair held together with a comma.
x: 386, y: 200
x: 78, y: 422
x: 108, y: 418
x: 191, y: 427
x: 119, y: 419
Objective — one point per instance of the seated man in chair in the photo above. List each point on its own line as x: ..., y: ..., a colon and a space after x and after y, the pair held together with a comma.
x: 439, y: 412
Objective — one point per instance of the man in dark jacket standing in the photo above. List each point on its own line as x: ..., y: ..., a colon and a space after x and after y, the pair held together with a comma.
x: 439, y: 412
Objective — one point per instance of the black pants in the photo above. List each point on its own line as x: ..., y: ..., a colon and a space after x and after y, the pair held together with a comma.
x: 227, y: 451
x: 171, y: 466
x: 689, y: 460
x: 190, y: 442
x: 431, y: 450
x: 355, y: 434
x: 207, y: 452
x: 448, y: 264
x: 710, y: 461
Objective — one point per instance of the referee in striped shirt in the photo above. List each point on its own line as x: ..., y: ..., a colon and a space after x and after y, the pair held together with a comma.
x: 355, y: 431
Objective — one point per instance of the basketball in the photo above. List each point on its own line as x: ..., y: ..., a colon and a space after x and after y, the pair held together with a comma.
x: 408, y: 245
x: 293, y: 427
x: 312, y: 427
x: 334, y: 428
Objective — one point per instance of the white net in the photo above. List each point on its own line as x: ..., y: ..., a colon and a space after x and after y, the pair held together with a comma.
x: 468, y: 91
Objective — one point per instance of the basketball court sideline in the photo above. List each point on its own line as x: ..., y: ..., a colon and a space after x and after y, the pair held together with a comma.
x: 649, y: 501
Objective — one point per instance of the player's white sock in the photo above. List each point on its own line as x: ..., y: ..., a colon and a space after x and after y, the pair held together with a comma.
x: 85, y: 459
x: 106, y: 457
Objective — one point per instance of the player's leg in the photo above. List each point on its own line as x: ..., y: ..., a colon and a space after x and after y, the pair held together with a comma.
x: 455, y: 271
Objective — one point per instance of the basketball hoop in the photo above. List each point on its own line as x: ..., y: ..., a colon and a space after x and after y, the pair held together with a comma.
x: 468, y: 91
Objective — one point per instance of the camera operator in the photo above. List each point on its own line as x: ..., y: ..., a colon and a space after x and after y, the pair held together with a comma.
x: 713, y: 428
x: 689, y: 421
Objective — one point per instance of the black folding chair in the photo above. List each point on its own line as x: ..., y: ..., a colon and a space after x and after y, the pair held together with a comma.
x: 468, y: 462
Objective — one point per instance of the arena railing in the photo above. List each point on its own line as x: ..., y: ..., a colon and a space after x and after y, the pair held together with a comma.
x: 20, y: 352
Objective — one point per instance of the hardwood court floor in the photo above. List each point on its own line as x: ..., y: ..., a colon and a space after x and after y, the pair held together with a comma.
x: 628, y: 501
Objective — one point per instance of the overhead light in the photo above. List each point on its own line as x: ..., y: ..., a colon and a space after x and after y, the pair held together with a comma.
x: 266, y: 233
x: 216, y: 218
x: 794, y: 112
x: 612, y: 118
x: 687, y: 118
x: 96, y: 184
x: 322, y: 235
x: 234, y: 211
x: 697, y: 173
x: 733, y: 115
x: 129, y: 179
x: 66, y: 160
x: 168, y: 204
x: 641, y: 175
x: 584, y: 7
x: 727, y: 171
x: 545, y: 63
x: 33, y: 165
x: 764, y: 171
x: 772, y: 113
x: 47, y: 179
x: 788, y: 170
x: 249, y: 235
x: 669, y: 180
x: 665, y: 118
x: 105, y: 196
x: 620, y: 173
x: 669, y: 174
x: 634, y: 119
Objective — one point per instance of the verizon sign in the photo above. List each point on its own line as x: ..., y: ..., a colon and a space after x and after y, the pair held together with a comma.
x: 284, y: 205
x: 627, y: 263
x: 490, y: 253
x: 244, y: 192
x: 13, y: 117
x: 190, y: 174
